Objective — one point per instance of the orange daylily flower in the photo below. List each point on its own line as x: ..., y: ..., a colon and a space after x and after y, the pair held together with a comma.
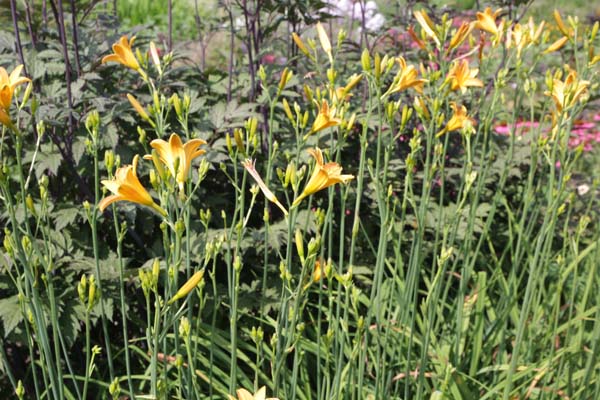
x: 126, y: 186
x: 461, y: 76
x: 249, y: 164
x: 427, y: 25
x: 325, y: 119
x: 243, y: 394
x: 323, y: 176
x: 177, y: 156
x: 406, y: 78
x: 486, y: 21
x: 566, y: 94
x: 459, y: 120
x: 8, y: 84
x: 460, y: 35
x: 123, y: 54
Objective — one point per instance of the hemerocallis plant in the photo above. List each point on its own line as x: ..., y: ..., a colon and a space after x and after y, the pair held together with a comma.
x: 176, y: 156
x: 323, y: 176
x: 123, y: 54
x: 126, y: 186
x: 461, y: 76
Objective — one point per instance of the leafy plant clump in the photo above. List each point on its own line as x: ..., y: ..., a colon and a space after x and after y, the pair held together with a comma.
x: 338, y: 203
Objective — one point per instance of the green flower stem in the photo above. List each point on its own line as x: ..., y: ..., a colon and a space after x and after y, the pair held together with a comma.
x: 120, y: 237
x: 95, y: 248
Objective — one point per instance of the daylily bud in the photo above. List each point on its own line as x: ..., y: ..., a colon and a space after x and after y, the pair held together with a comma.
x: 286, y: 75
x: 377, y: 66
x: 82, y: 288
x: 138, y: 107
x: 92, y: 122
x: 324, y: 39
x: 188, y: 286
x: 331, y: 74
x: 27, y: 93
x: 187, y: 101
x: 184, y: 328
x: 141, y: 135
x: 262, y: 75
x: 29, y: 204
x: 229, y: 145
x: 308, y: 93
x: 155, y: 57
x: 288, y: 111
x: 114, y: 389
x: 237, y: 265
x: 365, y: 60
x: 20, y: 390
x: 299, y: 245
x: 300, y: 44
x: 176, y: 104
x: 109, y: 160
x: 313, y: 245
x: 92, y: 293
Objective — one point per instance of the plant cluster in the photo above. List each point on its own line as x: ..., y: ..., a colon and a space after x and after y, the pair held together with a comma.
x: 361, y: 223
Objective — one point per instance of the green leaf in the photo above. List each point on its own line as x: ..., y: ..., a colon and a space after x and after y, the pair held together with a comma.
x: 10, y: 314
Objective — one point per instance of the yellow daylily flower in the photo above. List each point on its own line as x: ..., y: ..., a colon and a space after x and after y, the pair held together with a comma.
x: 177, y: 156
x: 461, y: 76
x: 188, y: 286
x: 406, y: 78
x: 557, y: 45
x: 323, y: 176
x: 123, y: 54
x: 8, y: 84
x: 427, y: 25
x: 459, y: 120
x: 250, y: 166
x: 325, y: 119
x: 486, y: 21
x: 566, y: 94
x: 243, y: 394
x: 460, y: 35
x: 126, y: 186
